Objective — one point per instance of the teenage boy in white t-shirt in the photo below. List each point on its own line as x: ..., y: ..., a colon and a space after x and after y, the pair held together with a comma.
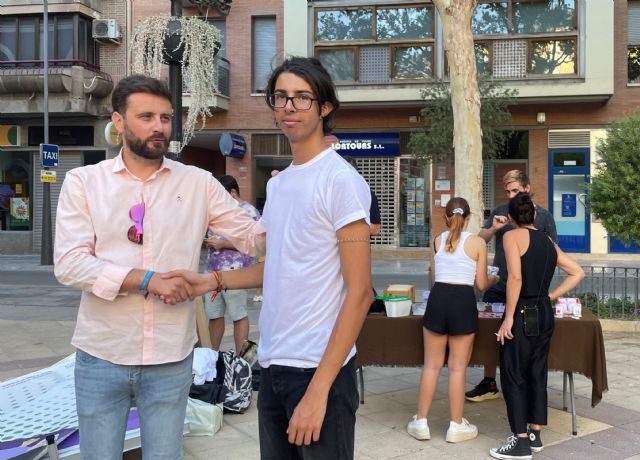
x: 317, y: 278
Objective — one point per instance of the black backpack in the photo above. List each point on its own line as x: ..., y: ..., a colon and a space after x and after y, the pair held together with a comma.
x: 236, y: 382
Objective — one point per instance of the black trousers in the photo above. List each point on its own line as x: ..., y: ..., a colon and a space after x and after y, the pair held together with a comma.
x: 281, y: 389
x: 523, y: 368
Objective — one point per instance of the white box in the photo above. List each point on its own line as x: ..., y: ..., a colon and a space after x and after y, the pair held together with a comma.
x: 397, y: 308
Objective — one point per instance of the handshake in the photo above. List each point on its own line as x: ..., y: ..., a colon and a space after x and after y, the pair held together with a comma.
x: 179, y: 285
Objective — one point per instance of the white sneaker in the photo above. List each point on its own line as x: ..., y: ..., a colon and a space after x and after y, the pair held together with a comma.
x: 257, y: 298
x: 459, y: 432
x: 419, y: 428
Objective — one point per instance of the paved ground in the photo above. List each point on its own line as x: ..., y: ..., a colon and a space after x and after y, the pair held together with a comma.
x: 37, y: 317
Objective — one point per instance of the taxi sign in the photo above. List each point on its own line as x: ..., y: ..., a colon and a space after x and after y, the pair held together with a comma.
x: 49, y: 155
x: 47, y: 175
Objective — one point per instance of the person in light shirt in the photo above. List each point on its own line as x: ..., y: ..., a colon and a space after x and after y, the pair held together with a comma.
x: 121, y: 225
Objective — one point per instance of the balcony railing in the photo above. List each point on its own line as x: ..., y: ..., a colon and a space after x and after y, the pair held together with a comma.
x: 222, y: 78
x: 56, y: 66
x: 65, y: 76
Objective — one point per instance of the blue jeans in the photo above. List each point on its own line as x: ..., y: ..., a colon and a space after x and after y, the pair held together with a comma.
x: 105, y: 392
x: 281, y: 389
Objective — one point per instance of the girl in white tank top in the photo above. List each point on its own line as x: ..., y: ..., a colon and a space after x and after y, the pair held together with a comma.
x: 451, y: 320
x: 456, y: 267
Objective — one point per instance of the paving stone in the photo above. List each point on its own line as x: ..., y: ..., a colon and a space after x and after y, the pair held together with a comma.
x: 579, y: 449
x: 617, y: 439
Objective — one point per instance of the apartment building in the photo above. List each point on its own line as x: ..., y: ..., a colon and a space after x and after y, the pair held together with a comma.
x: 84, y: 64
x: 575, y: 66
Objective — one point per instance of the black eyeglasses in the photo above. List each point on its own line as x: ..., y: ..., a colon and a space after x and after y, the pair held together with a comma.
x: 299, y: 101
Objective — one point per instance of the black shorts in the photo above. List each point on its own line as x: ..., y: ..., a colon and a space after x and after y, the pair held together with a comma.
x: 451, y: 310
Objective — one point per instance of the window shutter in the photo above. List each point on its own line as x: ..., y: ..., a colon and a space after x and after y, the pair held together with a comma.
x: 264, y: 51
x: 633, y: 21
x: 67, y: 162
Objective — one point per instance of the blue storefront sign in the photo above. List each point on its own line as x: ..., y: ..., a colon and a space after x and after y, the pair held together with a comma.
x: 233, y: 145
x: 367, y: 144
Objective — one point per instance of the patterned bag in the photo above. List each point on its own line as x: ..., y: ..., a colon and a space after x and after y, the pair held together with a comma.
x: 237, y: 382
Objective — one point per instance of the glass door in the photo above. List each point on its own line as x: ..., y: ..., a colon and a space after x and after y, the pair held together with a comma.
x: 569, y: 174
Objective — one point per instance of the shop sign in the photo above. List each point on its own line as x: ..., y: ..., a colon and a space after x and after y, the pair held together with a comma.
x: 232, y: 145
x: 9, y: 135
x: 48, y: 175
x: 367, y: 144
x: 19, y: 210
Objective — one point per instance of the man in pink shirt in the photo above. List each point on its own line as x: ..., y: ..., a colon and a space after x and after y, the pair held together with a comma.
x: 120, y: 225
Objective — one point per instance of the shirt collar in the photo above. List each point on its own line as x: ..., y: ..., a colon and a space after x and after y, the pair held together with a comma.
x: 119, y: 166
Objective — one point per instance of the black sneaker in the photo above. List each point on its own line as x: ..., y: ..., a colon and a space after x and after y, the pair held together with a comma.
x: 485, y: 390
x: 535, y: 441
x: 515, y: 448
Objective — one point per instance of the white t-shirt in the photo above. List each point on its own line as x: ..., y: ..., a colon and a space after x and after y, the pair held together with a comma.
x: 303, y: 288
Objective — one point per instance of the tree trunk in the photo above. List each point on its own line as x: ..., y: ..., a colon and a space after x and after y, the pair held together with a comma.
x: 465, y: 100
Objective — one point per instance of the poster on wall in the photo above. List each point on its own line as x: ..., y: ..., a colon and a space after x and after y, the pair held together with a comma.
x: 19, y: 211
x: 419, y: 183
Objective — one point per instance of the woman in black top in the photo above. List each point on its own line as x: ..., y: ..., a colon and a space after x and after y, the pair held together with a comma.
x: 527, y: 326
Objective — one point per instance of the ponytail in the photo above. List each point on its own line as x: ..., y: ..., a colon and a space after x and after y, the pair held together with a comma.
x: 456, y: 224
x: 456, y: 212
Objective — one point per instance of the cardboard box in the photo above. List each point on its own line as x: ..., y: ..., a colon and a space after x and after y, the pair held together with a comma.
x: 408, y: 290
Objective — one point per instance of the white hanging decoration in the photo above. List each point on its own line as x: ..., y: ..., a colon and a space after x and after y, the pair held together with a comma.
x: 198, y: 44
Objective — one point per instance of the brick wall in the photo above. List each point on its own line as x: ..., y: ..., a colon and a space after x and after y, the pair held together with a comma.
x: 113, y: 57
x: 539, y: 166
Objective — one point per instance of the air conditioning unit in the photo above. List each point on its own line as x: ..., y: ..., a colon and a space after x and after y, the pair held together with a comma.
x: 106, y: 29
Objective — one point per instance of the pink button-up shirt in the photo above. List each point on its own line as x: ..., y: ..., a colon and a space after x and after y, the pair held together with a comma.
x: 93, y: 253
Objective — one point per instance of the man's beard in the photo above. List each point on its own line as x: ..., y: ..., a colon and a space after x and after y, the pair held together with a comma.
x: 139, y: 146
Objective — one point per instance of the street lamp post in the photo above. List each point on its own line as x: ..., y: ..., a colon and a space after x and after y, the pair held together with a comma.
x: 175, y: 87
x: 46, y: 247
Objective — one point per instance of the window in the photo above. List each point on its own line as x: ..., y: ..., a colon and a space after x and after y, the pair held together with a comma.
x: 69, y: 39
x: 524, y: 17
x: 516, y: 38
x: 633, y: 41
x: 376, y: 44
x: 221, y: 25
x: 490, y: 19
x: 553, y: 57
x: 414, y: 204
x: 27, y: 39
x: 14, y: 191
x: 483, y: 58
x: 413, y: 62
x: 345, y: 25
x: 8, y: 48
x: 264, y: 51
x: 339, y: 63
x: 544, y: 16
